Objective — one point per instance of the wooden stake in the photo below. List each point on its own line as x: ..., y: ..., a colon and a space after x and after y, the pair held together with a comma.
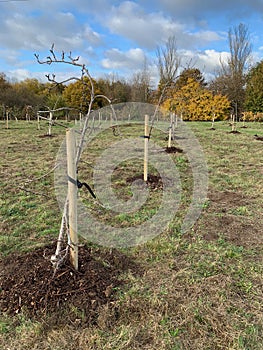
x: 172, y: 126
x: 50, y: 123
x: 213, y: 121
x: 38, y: 122
x: 146, y: 141
x: 7, y: 120
x: 72, y: 197
x: 170, y: 137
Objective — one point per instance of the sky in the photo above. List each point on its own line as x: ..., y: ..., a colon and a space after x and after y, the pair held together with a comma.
x: 117, y: 38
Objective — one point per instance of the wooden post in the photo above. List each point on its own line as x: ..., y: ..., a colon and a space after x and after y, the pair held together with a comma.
x: 7, y: 119
x: 170, y: 137
x: 213, y: 121
x: 173, y: 126
x: 38, y: 122
x: 50, y: 123
x: 146, y: 141
x: 72, y: 197
x: 233, y: 122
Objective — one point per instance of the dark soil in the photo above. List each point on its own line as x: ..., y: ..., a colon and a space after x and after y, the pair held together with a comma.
x: 234, y: 132
x: 238, y: 229
x: 173, y: 150
x: 259, y: 138
x: 28, y: 283
x: 46, y: 135
x: 154, y: 181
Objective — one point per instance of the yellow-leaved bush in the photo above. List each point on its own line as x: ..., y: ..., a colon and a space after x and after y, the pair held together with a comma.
x: 194, y: 102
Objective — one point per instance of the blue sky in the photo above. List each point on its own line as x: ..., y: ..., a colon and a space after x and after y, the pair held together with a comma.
x: 117, y: 37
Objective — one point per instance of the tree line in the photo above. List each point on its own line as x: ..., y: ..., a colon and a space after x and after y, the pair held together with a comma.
x: 236, y: 90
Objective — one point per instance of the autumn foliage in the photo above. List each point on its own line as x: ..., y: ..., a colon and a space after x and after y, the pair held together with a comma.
x: 193, y: 101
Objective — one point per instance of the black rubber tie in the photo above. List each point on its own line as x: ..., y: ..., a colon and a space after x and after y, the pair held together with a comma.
x: 81, y: 184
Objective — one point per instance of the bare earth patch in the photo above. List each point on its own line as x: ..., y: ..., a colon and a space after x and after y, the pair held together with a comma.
x: 224, y: 218
x: 34, y: 289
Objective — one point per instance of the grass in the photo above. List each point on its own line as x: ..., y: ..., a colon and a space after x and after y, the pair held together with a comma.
x: 200, y: 290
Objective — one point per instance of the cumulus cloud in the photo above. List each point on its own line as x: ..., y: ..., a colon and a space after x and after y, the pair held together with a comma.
x: 125, y: 60
x: 153, y: 28
x: 40, y: 31
x: 118, y: 35
x: 207, y: 61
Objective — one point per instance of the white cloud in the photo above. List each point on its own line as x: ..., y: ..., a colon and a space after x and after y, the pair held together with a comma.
x: 151, y: 29
x: 19, y: 74
x: 118, y: 35
x: 210, y: 60
x: 40, y: 31
x: 207, y: 61
x: 131, y: 59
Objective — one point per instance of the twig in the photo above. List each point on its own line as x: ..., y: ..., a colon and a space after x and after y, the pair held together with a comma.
x: 42, y: 176
x: 33, y: 192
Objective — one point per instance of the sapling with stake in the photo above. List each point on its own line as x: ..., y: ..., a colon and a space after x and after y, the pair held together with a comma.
x: 60, y: 255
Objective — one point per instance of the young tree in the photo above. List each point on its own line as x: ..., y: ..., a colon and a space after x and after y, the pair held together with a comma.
x: 91, y: 97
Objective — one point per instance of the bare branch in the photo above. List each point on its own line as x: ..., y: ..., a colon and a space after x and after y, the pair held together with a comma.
x: 168, y: 61
x: 53, y: 79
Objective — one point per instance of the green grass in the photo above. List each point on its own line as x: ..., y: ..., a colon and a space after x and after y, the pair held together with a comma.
x: 200, y: 290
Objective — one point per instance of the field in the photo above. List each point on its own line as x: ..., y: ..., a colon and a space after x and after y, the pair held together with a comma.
x: 199, y: 290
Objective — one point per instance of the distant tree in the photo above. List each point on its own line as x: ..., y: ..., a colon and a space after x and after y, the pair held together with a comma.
x: 16, y: 96
x: 141, y: 85
x: 193, y: 73
x: 33, y: 85
x: 168, y: 63
x: 23, y: 95
x: 254, y: 89
x: 231, y: 80
x: 115, y: 87
x: 77, y: 95
x: 3, y: 82
x: 5, y: 89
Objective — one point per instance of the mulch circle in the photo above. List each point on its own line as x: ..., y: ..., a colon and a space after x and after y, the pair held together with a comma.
x: 154, y: 182
x: 46, y: 136
x: 173, y: 150
x: 259, y: 138
x: 28, y: 283
x: 234, y: 132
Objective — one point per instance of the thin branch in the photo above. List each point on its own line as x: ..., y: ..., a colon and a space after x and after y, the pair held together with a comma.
x: 43, y: 176
x: 53, y: 79
x: 33, y: 192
